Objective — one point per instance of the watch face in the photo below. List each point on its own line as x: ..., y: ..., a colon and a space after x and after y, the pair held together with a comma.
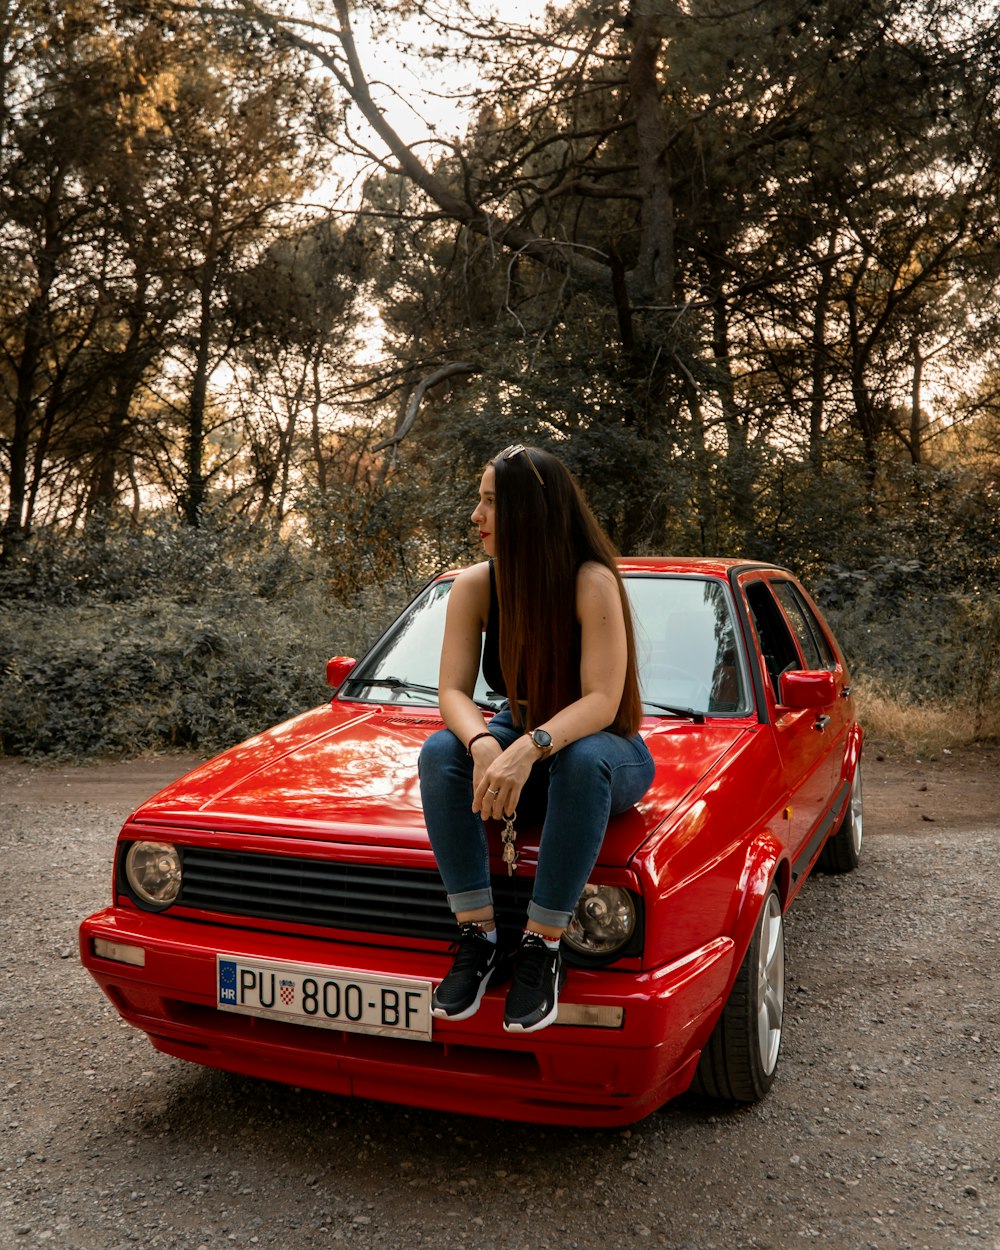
x: 541, y: 739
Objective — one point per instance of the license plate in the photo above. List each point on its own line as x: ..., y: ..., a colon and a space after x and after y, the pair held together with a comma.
x: 328, y: 998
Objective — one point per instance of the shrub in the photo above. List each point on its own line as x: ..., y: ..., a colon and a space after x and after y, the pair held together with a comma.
x: 891, y: 716
x: 168, y: 639
x: 131, y: 640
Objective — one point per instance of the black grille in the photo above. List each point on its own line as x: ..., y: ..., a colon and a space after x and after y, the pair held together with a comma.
x: 404, y: 902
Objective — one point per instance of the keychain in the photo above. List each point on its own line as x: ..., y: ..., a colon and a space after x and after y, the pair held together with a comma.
x: 508, y: 834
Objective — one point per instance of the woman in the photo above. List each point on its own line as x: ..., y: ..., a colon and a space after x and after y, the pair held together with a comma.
x: 559, y: 646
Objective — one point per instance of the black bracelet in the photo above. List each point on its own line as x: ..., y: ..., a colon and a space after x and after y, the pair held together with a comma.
x: 475, y: 738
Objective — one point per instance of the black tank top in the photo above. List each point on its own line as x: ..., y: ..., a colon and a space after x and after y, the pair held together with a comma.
x: 491, y: 643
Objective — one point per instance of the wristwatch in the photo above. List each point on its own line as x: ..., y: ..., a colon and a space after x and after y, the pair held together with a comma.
x: 542, y: 739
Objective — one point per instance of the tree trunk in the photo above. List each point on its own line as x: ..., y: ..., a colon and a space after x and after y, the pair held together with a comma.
x: 319, y: 455
x: 194, y: 452
x: 654, y: 276
x: 112, y: 455
x: 818, y: 359
x: 25, y: 407
x: 917, y: 424
x: 15, y: 523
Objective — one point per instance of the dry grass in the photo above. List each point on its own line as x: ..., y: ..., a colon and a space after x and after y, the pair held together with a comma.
x: 923, y: 727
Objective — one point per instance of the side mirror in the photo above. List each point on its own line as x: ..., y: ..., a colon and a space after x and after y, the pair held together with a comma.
x: 337, y: 669
x: 803, y: 688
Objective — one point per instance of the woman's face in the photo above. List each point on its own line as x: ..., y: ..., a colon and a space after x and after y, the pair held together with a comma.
x: 484, y: 515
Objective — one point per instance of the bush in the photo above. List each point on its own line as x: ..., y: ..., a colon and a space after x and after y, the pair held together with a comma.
x: 134, y: 640
x: 120, y: 563
x: 910, y: 589
x: 167, y: 639
x: 891, y: 717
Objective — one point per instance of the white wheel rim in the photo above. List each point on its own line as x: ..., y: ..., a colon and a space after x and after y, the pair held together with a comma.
x: 770, y: 984
x: 857, y: 811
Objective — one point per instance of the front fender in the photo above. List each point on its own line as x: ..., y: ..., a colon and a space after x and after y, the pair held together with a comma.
x: 765, y: 863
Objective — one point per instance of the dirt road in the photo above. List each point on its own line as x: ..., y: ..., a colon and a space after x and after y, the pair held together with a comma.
x: 880, y: 1132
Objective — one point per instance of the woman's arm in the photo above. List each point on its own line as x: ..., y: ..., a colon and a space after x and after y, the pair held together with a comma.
x: 465, y: 620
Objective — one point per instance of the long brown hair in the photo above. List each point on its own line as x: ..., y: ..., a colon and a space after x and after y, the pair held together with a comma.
x: 545, y: 531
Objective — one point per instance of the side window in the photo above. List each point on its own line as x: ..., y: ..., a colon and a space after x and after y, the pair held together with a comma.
x: 776, y: 643
x: 807, y: 629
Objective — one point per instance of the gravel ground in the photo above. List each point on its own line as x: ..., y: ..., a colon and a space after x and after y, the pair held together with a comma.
x: 881, y: 1130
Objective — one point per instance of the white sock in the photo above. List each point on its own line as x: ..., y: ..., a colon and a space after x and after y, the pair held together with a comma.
x: 551, y: 943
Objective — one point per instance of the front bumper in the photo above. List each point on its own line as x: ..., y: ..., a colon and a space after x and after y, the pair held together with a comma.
x: 566, y: 1074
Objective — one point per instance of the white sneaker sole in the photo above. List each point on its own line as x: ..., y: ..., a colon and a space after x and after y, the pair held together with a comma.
x: 440, y: 1014
x: 546, y: 1020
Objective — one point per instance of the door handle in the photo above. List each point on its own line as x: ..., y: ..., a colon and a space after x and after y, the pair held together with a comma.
x: 821, y: 723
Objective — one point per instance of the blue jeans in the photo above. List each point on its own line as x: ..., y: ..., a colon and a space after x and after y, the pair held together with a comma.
x: 578, y: 789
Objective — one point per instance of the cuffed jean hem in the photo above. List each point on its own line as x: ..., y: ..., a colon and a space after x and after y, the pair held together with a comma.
x: 470, y: 900
x: 546, y: 916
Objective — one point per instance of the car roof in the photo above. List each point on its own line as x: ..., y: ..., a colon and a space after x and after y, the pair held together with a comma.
x: 707, y: 566
x: 704, y: 566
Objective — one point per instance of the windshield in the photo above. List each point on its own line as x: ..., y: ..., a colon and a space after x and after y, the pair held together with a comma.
x: 686, y: 642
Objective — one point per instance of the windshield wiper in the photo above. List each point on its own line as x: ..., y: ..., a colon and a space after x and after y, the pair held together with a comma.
x: 393, y: 683
x: 409, y: 687
x: 684, y: 713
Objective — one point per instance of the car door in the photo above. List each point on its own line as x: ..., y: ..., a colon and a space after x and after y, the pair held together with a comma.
x: 800, y: 734
x: 819, y: 654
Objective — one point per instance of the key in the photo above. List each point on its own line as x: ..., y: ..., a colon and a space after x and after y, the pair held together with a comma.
x: 508, y: 834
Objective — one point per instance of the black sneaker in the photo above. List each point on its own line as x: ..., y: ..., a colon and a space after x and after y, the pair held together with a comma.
x: 476, y: 960
x: 533, y: 999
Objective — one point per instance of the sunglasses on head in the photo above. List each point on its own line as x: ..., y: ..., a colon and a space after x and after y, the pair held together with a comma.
x: 516, y: 449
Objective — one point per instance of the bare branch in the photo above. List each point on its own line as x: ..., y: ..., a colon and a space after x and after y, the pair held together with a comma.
x: 453, y: 369
x: 352, y: 79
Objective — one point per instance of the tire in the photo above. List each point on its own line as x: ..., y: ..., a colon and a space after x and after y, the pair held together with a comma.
x: 842, y: 851
x: 740, y: 1059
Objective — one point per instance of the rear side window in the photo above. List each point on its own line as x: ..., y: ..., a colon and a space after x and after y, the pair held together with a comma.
x: 807, y: 629
x: 776, y: 643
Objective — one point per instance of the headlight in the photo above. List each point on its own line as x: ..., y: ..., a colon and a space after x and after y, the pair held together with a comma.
x: 603, y: 921
x: 153, y: 870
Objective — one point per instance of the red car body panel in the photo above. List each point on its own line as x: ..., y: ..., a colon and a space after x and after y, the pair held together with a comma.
x: 738, y: 803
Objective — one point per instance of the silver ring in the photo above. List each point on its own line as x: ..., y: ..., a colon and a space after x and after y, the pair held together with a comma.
x: 488, y: 791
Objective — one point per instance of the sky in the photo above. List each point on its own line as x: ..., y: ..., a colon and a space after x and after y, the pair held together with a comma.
x: 414, y: 93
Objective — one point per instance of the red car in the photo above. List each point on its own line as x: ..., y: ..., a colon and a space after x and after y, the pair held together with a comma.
x: 277, y: 912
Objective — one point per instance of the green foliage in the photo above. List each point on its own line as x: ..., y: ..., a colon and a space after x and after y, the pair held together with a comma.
x: 145, y: 165
x: 120, y: 563
x: 371, y: 530
x: 912, y: 594
x: 756, y: 263
x: 167, y: 638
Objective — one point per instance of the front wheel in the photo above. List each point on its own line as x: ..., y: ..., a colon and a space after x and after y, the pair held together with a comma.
x: 740, y: 1058
x: 842, y: 852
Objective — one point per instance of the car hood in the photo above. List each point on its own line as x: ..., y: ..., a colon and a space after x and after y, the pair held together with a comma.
x: 347, y: 773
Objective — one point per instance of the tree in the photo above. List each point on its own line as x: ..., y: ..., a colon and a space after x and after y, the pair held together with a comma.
x: 45, y: 227
x: 748, y: 208
x: 294, y: 313
x: 146, y: 161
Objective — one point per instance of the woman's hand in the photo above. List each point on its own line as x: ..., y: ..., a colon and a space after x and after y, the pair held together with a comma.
x: 498, y: 776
